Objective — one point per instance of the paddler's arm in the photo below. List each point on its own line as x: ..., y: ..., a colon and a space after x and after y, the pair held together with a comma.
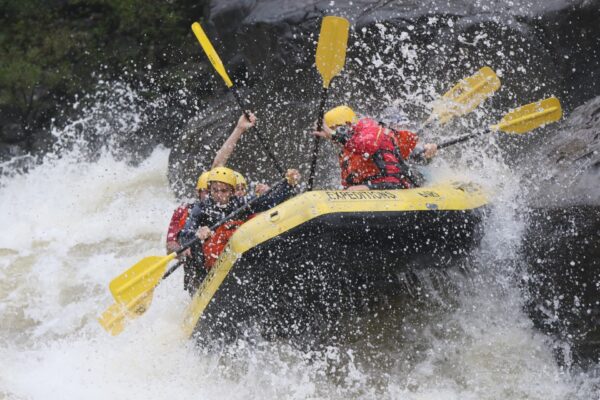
x: 227, y: 149
x: 410, y: 148
x: 279, y: 193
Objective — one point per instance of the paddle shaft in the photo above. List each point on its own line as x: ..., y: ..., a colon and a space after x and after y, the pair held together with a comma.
x: 520, y: 120
x: 217, y: 64
x: 449, y: 143
x: 313, y: 162
x: 172, y: 269
x: 458, y: 140
x: 262, y: 141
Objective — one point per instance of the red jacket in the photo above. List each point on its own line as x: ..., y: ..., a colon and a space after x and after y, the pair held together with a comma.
x: 374, y: 154
x: 214, y: 246
x: 178, y: 222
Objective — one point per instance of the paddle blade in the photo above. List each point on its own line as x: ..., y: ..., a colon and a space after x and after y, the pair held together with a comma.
x: 140, y: 279
x: 530, y: 116
x: 212, y: 55
x: 466, y: 95
x: 331, y: 49
x: 114, y: 318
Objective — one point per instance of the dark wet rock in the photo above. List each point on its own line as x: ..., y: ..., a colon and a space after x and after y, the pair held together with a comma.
x: 562, y: 250
x: 397, y: 50
x: 575, y: 152
x: 562, y: 242
x: 570, y: 160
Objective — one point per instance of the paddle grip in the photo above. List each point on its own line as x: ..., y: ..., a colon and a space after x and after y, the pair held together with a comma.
x: 313, y: 162
x: 263, y: 143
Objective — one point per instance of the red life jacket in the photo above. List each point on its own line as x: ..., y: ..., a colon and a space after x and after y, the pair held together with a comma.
x: 214, y: 246
x: 375, y: 154
x: 178, y: 221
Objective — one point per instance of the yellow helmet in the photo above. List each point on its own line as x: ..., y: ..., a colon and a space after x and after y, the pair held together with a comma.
x: 222, y: 174
x: 202, y: 181
x: 239, y: 179
x: 339, y: 116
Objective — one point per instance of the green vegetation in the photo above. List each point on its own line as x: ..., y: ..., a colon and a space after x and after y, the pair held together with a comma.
x: 51, y: 50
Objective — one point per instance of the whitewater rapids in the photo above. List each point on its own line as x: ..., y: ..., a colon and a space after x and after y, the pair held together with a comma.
x: 69, y: 226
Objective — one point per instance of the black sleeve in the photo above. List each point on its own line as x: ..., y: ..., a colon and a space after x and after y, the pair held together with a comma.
x: 280, y: 192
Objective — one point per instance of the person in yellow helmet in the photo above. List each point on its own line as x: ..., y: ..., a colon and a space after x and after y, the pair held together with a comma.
x: 241, y: 185
x: 222, y: 201
x: 202, y: 186
x: 373, y: 153
x: 220, y: 160
x: 226, y: 193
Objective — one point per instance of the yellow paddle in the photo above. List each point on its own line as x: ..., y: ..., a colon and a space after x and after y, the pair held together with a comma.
x: 331, y: 49
x: 521, y: 120
x: 133, y: 291
x: 330, y: 60
x: 211, y: 53
x: 113, y: 320
x: 216, y: 62
x: 530, y: 116
x: 465, y: 96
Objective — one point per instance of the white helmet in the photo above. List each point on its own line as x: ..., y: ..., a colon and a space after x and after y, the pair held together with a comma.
x: 392, y: 116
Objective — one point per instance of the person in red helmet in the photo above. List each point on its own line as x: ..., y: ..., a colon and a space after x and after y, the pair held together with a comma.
x: 373, y: 153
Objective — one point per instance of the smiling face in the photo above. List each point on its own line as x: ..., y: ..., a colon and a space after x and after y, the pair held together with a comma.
x: 220, y: 192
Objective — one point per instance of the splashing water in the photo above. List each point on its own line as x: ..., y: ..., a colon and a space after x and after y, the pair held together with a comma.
x: 74, y: 222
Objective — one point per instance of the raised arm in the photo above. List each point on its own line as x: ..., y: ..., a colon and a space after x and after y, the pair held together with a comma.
x: 225, y: 151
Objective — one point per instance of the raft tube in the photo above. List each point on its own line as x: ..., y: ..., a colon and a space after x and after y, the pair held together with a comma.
x: 323, y: 251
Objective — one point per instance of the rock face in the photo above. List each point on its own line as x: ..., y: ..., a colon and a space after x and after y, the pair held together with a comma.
x: 572, y: 157
x: 562, y: 244
x: 403, y: 50
x: 562, y: 251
